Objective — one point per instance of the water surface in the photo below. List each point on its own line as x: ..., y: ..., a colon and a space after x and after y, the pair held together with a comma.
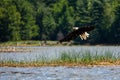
x: 60, y: 73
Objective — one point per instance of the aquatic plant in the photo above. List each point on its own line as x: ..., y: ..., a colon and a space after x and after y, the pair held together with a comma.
x: 69, y: 58
x: 87, y: 58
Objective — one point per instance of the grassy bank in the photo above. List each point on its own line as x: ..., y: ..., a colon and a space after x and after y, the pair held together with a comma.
x: 28, y: 43
x: 68, y: 59
x: 44, y: 43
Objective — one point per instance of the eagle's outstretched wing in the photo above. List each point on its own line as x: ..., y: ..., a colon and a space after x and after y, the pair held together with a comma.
x: 74, y: 34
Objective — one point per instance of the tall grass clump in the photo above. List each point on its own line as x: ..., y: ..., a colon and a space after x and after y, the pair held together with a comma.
x: 88, y: 58
x: 69, y: 57
x: 77, y: 57
x: 107, y: 56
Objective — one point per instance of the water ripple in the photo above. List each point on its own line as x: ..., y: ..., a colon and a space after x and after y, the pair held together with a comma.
x: 60, y: 73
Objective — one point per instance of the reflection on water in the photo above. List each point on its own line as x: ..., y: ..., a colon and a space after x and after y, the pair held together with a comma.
x: 52, y: 52
x: 60, y: 73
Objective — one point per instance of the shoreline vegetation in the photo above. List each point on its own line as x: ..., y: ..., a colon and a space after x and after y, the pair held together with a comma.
x: 68, y: 59
x: 11, y: 46
x: 47, y: 43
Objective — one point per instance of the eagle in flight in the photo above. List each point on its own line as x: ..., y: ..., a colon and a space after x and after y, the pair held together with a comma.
x: 82, y: 32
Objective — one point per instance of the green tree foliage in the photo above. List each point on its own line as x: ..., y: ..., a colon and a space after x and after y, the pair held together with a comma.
x: 97, y: 14
x: 28, y: 28
x: 63, y: 15
x: 82, y: 13
x: 9, y: 21
x: 115, y: 30
x: 44, y: 19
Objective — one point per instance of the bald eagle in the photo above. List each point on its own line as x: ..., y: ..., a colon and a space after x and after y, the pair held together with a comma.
x: 82, y: 32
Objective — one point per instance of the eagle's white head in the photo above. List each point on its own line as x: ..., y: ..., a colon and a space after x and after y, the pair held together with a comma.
x: 75, y: 28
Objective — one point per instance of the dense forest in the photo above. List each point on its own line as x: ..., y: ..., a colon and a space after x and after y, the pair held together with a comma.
x: 45, y: 19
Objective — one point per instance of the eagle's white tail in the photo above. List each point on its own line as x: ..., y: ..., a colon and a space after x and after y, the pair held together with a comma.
x: 84, y: 36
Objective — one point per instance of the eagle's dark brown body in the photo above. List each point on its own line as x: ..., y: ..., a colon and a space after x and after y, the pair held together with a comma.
x: 74, y: 34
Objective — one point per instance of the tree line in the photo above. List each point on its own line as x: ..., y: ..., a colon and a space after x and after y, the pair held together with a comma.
x: 44, y: 19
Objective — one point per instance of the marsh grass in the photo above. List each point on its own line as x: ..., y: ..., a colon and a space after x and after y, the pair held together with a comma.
x: 89, y: 58
x: 69, y: 59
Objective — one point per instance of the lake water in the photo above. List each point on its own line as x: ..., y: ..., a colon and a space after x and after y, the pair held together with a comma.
x: 61, y: 73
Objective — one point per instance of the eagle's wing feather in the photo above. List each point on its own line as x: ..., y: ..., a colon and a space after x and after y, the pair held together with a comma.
x: 76, y: 33
x: 70, y: 36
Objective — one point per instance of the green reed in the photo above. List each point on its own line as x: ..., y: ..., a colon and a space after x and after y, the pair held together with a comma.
x: 88, y: 58
x: 72, y: 57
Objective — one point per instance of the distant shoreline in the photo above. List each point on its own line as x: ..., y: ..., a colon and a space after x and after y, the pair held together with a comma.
x: 49, y: 43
